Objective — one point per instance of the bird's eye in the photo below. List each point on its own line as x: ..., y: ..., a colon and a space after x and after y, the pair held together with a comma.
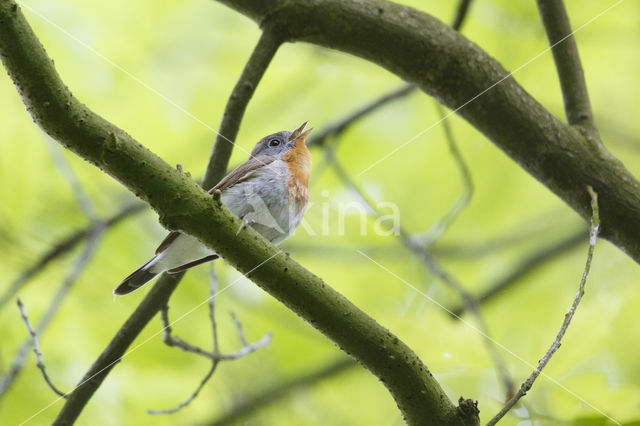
x: 274, y: 142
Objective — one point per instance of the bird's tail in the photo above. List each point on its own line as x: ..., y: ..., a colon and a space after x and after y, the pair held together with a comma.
x: 137, y: 279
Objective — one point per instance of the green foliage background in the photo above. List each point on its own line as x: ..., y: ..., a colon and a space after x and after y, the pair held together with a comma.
x: 192, y: 53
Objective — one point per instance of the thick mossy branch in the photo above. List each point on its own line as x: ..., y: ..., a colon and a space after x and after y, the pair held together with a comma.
x: 183, y: 205
x: 443, y: 63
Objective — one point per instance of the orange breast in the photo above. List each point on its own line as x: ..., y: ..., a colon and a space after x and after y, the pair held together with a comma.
x: 298, y: 159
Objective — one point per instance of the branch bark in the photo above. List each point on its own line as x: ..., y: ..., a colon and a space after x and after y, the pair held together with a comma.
x: 185, y: 206
x: 443, y: 63
x: 565, y: 55
x: 237, y: 104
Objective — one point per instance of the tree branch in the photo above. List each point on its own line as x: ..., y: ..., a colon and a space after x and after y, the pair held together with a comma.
x: 253, y: 71
x: 565, y: 55
x: 461, y: 14
x: 526, y: 386
x: 443, y: 63
x: 185, y: 206
x: 19, y: 359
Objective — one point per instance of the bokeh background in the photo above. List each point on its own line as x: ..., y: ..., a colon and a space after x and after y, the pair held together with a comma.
x: 192, y: 53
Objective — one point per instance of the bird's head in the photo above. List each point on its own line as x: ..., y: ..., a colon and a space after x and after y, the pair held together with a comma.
x: 278, y: 144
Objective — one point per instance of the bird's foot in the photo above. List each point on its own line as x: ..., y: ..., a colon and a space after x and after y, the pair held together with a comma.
x: 245, y: 224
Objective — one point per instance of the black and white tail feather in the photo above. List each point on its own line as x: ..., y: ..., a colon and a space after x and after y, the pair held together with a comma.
x: 178, y: 252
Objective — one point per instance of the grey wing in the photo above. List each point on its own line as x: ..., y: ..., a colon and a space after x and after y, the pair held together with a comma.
x: 243, y: 172
x: 239, y: 174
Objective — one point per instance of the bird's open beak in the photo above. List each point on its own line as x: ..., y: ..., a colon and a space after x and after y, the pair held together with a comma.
x: 300, y: 134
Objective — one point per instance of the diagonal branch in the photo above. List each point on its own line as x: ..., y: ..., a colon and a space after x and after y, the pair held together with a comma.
x: 36, y: 350
x: 253, y: 71
x: 461, y: 14
x: 19, y: 359
x: 565, y: 55
x: 185, y: 206
x: 555, y: 345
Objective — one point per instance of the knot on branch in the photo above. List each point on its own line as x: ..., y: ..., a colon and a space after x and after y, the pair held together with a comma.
x: 469, y: 411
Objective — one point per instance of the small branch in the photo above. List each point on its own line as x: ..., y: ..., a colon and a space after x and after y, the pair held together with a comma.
x: 214, y: 356
x: 461, y: 14
x: 36, y: 350
x: 251, y: 75
x: 565, y: 55
x: 213, y: 292
x: 526, y: 265
x: 112, y: 354
x: 526, y: 386
x: 241, y: 335
x: 320, y: 138
x: 63, y: 247
x: 247, y: 349
x: 191, y: 397
x: 273, y: 394
x: 174, y: 341
x: 19, y: 358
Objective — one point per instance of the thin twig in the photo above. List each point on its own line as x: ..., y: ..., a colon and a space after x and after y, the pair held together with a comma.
x: 565, y: 55
x: 236, y: 321
x: 95, y: 233
x: 320, y: 138
x: 461, y: 14
x: 174, y: 341
x: 213, y: 292
x: 526, y: 386
x: 191, y: 397
x: 36, y: 350
x: 215, y: 356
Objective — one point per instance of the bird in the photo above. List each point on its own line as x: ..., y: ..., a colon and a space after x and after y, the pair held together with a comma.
x: 269, y: 192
